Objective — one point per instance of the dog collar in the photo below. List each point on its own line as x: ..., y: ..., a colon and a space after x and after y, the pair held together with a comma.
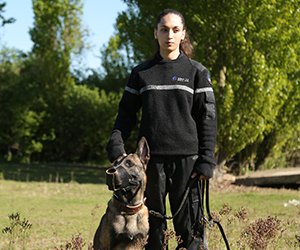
x: 126, y: 208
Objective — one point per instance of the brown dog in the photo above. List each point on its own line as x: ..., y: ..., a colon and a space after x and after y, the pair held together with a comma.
x: 125, y: 223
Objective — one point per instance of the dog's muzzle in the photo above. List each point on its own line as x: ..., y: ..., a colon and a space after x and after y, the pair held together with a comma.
x: 118, y: 178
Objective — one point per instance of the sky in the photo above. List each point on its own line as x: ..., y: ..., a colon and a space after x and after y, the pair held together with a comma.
x: 98, y: 17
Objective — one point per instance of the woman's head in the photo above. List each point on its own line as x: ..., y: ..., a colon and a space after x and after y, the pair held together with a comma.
x: 170, y: 32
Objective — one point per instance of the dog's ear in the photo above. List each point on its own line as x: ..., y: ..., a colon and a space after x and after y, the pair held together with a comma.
x: 143, y: 151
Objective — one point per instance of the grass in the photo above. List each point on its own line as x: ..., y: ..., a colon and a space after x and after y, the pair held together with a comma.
x: 57, y: 211
x: 63, y: 212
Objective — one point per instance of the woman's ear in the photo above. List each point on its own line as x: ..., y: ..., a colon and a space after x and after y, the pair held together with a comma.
x: 155, y: 33
x: 183, y: 35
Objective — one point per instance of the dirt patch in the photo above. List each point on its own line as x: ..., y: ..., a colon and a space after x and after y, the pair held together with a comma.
x: 229, y: 187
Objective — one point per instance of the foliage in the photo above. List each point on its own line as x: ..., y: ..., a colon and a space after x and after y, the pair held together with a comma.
x: 2, y: 18
x: 44, y: 115
x: 78, y: 131
x: 18, y: 122
x: 83, y: 123
x: 8, y: 78
x: 56, y: 33
x: 115, y: 64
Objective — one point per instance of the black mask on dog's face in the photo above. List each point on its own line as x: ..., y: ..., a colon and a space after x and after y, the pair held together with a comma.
x: 118, y: 178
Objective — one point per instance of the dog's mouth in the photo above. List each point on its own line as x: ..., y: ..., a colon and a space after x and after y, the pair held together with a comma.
x: 118, y: 178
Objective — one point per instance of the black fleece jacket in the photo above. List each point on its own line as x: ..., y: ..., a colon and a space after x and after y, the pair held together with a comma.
x: 178, y: 111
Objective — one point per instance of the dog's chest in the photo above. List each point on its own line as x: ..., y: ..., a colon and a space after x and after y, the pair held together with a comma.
x: 131, y: 224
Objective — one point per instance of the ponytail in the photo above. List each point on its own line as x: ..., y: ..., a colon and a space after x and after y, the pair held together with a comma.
x: 186, y: 46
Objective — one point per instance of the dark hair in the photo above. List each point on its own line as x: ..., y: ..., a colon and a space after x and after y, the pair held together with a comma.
x: 185, y: 45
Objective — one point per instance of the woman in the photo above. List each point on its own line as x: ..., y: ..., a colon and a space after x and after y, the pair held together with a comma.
x: 178, y: 121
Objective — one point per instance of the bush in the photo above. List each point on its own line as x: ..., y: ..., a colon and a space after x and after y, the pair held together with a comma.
x: 81, y: 126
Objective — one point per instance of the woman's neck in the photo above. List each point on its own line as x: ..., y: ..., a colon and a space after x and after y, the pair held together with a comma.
x: 166, y: 55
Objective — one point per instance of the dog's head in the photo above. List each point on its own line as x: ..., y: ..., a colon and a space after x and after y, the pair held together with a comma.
x: 128, y: 175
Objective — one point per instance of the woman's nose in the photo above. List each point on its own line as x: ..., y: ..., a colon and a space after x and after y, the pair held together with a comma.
x: 170, y: 33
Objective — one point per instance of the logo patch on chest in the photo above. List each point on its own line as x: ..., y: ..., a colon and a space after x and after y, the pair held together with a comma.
x: 180, y: 79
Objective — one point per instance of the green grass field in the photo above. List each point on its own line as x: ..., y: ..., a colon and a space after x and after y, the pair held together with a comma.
x: 69, y: 212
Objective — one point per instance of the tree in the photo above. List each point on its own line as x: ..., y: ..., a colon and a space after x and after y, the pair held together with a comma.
x: 252, y: 51
x: 11, y: 101
x: 44, y: 115
x: 116, y: 64
x: 46, y: 73
x: 2, y: 18
x: 56, y: 35
x: 75, y: 117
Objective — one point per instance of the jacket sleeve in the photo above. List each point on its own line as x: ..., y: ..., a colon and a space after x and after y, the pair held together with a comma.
x: 126, y: 119
x: 204, y: 112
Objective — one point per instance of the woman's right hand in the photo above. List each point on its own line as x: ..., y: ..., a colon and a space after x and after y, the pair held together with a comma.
x: 201, y: 177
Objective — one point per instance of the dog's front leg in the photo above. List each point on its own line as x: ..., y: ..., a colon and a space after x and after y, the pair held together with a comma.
x: 102, y: 237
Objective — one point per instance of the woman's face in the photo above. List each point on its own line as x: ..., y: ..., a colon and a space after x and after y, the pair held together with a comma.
x: 169, y: 33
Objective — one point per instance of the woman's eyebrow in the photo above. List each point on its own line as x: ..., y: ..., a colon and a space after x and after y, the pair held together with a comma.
x: 174, y: 27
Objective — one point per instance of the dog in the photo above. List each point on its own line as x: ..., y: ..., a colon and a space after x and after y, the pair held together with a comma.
x: 125, y: 223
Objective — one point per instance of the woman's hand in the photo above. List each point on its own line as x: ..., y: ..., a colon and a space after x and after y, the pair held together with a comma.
x: 116, y: 161
x: 201, y: 177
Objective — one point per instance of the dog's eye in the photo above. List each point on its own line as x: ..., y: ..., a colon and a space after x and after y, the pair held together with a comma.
x: 128, y: 163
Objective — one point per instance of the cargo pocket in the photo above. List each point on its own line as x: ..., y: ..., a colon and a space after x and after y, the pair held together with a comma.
x: 210, y: 108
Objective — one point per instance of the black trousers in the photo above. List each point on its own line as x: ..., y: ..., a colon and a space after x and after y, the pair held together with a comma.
x: 170, y: 175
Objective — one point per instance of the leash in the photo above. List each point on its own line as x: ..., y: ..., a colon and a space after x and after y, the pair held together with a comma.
x: 185, y: 196
x: 202, y: 191
x: 210, y: 218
